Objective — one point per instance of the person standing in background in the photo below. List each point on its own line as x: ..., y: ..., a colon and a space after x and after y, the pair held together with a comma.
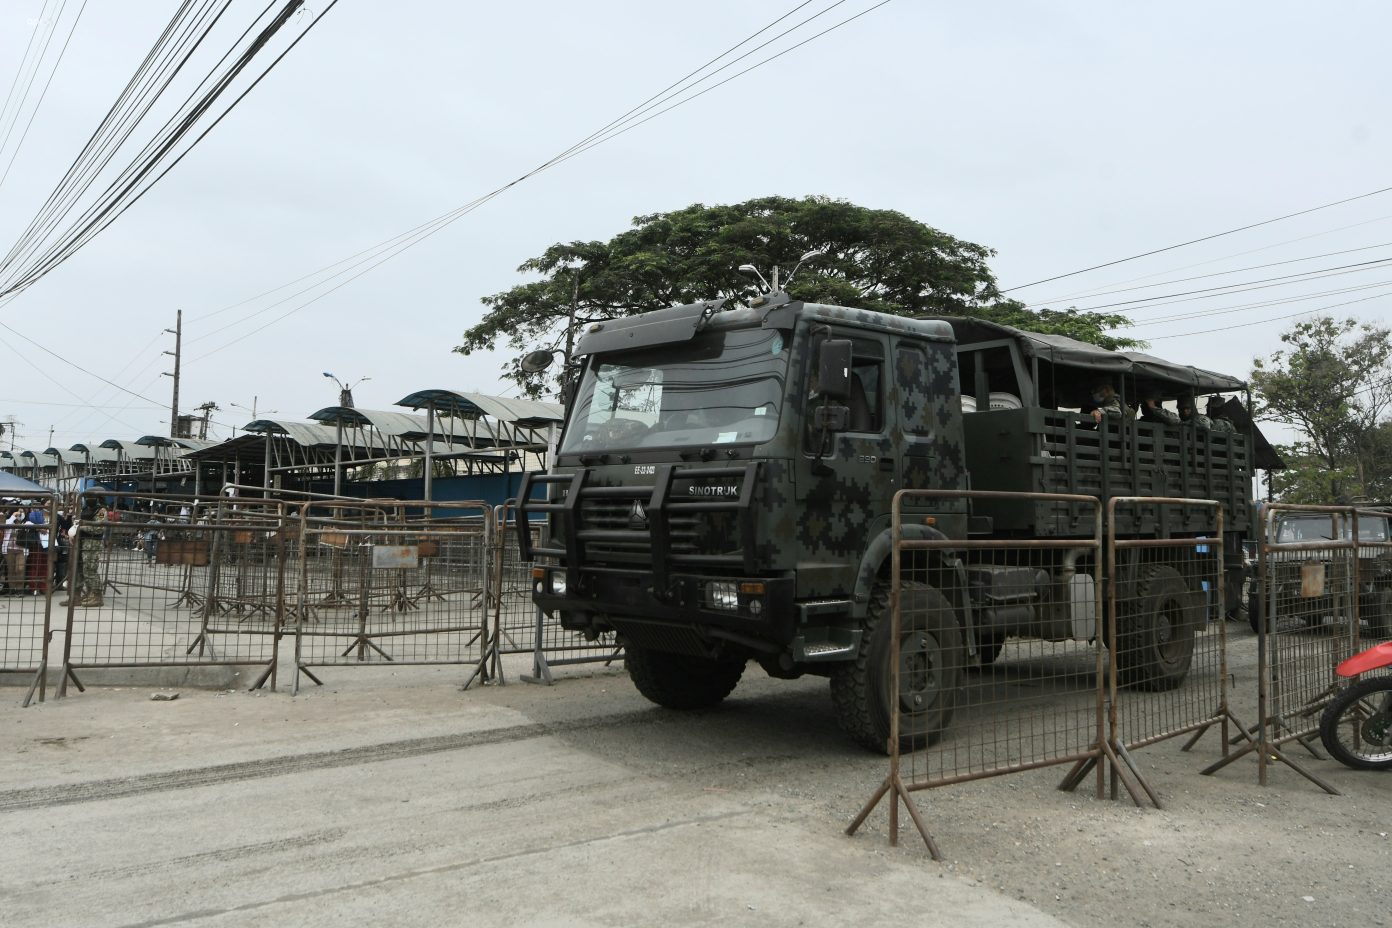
x: 12, y: 546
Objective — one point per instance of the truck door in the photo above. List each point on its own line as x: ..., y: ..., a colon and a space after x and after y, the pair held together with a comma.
x: 927, y: 403
x: 845, y: 480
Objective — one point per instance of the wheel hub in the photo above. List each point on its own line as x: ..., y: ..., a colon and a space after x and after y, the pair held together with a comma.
x: 918, y: 670
x: 1377, y: 729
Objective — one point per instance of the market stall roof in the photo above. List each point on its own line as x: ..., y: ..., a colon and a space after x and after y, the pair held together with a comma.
x: 11, y: 485
x: 1069, y: 352
x: 308, y: 434
x: 95, y: 453
x: 525, y: 413
x: 132, y: 449
x: 390, y: 422
x: 184, y: 444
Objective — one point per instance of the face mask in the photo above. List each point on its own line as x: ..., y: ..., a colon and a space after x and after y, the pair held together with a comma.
x: 1099, y: 397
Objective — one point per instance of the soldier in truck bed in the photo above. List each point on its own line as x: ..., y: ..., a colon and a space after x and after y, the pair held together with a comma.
x: 1152, y: 411
x: 1107, y: 403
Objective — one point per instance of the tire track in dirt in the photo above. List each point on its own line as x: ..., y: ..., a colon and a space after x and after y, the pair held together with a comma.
x: 41, y: 797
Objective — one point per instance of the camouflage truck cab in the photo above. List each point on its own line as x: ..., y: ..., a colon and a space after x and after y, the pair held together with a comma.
x: 723, y: 487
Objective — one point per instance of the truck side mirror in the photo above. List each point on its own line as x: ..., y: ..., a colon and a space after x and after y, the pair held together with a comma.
x: 834, y: 370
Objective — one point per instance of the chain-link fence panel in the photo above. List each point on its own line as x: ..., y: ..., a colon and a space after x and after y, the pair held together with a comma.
x: 1168, y: 634
x: 33, y: 561
x: 994, y: 651
x: 401, y: 591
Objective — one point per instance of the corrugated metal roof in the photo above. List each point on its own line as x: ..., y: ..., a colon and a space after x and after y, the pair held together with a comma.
x: 403, y: 425
x: 308, y: 434
x: 472, y: 405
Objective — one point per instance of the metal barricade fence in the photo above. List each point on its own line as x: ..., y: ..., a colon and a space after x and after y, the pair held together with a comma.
x: 402, y: 591
x: 1373, y: 529
x: 145, y: 592
x: 1168, y: 633
x: 520, y: 627
x: 1305, y: 605
x: 1020, y: 703
x: 33, y: 558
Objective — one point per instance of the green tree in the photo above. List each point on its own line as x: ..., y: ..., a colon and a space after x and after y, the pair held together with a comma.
x: 875, y: 259
x: 1332, y: 385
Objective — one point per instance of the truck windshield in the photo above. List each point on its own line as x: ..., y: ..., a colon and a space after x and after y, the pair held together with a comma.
x: 1320, y: 528
x: 719, y: 388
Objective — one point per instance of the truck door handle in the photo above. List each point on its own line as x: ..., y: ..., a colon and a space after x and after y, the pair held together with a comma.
x: 886, y: 463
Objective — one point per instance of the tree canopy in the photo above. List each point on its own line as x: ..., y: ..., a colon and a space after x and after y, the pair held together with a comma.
x: 1332, y: 385
x: 874, y: 259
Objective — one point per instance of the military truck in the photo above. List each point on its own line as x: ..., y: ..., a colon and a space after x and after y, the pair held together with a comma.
x: 1311, y: 606
x: 723, y: 487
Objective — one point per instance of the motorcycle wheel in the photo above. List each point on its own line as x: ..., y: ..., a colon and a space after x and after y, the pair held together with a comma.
x: 1356, y: 727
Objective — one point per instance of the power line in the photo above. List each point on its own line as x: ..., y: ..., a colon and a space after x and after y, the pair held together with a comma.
x: 1247, y: 325
x: 1208, y: 293
x: 1260, y: 304
x: 44, y: 93
x: 385, y: 251
x: 140, y: 176
x: 1206, y: 238
x: 1040, y: 304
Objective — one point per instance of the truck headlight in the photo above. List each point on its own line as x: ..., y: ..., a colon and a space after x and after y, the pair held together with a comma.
x: 558, y: 582
x: 722, y: 594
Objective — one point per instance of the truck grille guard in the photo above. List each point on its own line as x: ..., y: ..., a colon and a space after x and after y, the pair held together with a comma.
x: 661, y: 507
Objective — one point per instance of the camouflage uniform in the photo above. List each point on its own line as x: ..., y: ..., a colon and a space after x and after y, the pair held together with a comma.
x: 1158, y: 413
x: 89, y: 548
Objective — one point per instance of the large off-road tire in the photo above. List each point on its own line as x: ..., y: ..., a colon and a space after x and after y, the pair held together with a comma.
x: 1356, y: 727
x: 930, y: 668
x: 1375, y: 608
x: 681, y: 681
x: 1155, y: 631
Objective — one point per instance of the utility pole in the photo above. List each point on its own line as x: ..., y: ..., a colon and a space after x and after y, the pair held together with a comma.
x: 178, y: 333
x: 11, y: 426
x: 207, y: 410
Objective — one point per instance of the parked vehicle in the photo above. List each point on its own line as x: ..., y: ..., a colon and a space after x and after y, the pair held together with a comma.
x: 1356, y: 727
x: 1284, y: 570
x: 723, y: 488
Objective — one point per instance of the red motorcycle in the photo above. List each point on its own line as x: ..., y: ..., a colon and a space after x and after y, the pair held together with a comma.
x: 1356, y: 727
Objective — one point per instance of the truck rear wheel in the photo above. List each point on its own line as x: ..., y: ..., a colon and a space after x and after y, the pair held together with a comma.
x: 681, y: 681
x: 930, y: 669
x: 1155, y: 632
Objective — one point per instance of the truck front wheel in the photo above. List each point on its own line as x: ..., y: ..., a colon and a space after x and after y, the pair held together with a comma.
x: 930, y: 671
x: 1155, y: 632
x: 681, y: 681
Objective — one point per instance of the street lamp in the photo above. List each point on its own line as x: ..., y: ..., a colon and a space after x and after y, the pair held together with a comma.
x: 251, y: 409
x: 345, y: 391
x: 345, y: 399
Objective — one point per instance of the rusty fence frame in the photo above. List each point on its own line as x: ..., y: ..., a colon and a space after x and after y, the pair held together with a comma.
x: 200, y: 606
x: 25, y: 643
x: 1094, y: 758
x: 546, y: 651
x: 1280, y: 722
x: 365, y: 635
x: 1195, y: 725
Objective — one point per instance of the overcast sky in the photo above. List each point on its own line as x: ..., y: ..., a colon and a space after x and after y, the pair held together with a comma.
x: 1062, y: 135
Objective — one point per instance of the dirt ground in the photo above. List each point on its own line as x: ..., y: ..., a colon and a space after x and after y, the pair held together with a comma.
x: 391, y: 796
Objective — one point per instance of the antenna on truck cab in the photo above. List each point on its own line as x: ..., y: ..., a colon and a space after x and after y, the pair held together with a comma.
x: 774, y: 288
